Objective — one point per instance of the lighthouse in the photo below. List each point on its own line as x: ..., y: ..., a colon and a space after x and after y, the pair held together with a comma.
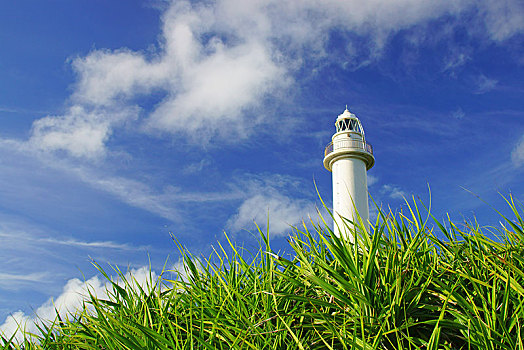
x: 348, y: 156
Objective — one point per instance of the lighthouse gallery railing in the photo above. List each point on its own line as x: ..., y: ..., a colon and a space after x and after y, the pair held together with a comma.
x: 356, y: 144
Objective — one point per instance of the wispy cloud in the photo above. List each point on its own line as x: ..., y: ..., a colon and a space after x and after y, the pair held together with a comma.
x: 92, y: 244
x: 458, y: 113
x: 6, y: 109
x: 195, y: 168
x: 70, y: 242
x: 484, y: 84
x: 454, y: 62
x: 409, y: 117
x: 15, y: 281
x: 166, y: 202
x: 517, y: 154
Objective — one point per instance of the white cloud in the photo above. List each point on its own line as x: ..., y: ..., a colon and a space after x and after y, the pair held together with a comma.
x: 393, y: 191
x: 106, y: 77
x: 182, y: 271
x: 208, y: 87
x: 517, y: 154
x: 276, y: 197
x: 217, y: 62
x: 80, y: 132
x: 282, y: 211
x: 74, y: 293
x: 215, y: 92
x: 299, y: 23
x: 503, y: 18
x: 371, y: 180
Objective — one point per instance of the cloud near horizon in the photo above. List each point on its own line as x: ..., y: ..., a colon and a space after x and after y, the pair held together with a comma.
x: 283, y: 212
x: 276, y: 198
x: 74, y: 294
x: 216, y: 64
x: 393, y: 191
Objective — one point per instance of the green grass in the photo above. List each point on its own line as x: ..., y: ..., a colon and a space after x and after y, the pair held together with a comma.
x: 401, y: 287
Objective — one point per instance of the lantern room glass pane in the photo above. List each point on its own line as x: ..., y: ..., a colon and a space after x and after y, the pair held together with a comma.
x: 348, y: 125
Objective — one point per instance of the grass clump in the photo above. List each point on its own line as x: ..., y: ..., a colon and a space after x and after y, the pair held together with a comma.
x: 401, y: 286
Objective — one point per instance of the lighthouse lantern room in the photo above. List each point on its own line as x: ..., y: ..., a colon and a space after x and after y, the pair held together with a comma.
x: 348, y: 157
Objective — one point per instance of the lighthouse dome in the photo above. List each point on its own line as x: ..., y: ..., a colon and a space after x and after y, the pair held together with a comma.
x: 347, y: 121
x: 348, y: 141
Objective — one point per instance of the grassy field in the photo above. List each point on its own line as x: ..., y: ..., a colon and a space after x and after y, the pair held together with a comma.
x: 413, y: 283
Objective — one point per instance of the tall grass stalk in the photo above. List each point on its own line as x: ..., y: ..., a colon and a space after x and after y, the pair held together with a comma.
x: 406, y: 285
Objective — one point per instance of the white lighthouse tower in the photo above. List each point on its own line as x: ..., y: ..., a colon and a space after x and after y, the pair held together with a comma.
x: 348, y: 157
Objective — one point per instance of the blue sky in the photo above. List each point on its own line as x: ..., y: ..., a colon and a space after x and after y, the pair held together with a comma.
x: 124, y: 122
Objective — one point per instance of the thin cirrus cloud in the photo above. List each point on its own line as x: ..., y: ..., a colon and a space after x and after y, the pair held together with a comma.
x: 163, y: 202
x: 16, y: 281
x: 458, y: 113
x: 517, y: 154
x: 455, y: 62
x: 68, y: 242
x: 25, y: 244
x: 217, y: 63
x: 485, y: 84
